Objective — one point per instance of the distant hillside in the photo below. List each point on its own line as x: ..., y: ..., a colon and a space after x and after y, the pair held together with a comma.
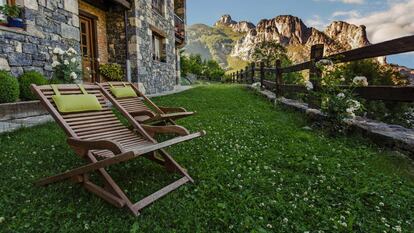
x: 214, y: 43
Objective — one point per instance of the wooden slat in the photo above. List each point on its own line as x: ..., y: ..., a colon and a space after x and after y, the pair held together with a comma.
x: 160, y: 193
x: 297, y: 67
x: 391, y: 47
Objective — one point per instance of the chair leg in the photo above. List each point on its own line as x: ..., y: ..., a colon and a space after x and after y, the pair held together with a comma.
x: 174, y: 165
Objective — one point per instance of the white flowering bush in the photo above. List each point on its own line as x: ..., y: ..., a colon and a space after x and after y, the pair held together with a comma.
x: 337, y: 103
x: 66, y: 65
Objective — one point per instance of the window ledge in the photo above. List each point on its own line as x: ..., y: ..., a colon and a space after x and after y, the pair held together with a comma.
x: 15, y: 30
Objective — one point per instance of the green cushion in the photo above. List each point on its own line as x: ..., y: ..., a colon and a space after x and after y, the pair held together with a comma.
x: 123, y: 92
x: 76, y: 103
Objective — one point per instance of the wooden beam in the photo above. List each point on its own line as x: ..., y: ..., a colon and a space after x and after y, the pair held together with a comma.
x: 124, y: 3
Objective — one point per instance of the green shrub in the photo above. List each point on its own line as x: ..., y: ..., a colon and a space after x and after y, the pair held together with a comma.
x: 112, y: 72
x: 9, y: 88
x: 28, y: 78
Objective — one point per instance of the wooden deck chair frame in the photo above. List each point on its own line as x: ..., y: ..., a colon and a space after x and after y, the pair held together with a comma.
x: 136, y: 107
x: 92, y: 135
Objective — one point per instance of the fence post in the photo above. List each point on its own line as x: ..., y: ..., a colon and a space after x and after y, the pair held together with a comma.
x: 241, y: 75
x: 315, y: 74
x: 233, y: 77
x: 262, y: 74
x: 253, y: 72
x: 246, y: 76
x: 279, y: 81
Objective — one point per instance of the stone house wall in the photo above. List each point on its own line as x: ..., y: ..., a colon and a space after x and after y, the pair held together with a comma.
x: 50, y: 24
x: 156, y: 76
x: 55, y: 23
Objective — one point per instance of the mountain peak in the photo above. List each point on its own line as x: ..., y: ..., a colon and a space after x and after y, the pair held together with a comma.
x: 241, y: 27
x: 225, y: 20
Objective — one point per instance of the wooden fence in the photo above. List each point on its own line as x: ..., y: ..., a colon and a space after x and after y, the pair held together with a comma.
x: 386, y: 93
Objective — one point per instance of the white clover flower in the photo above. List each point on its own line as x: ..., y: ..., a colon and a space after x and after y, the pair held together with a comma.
x: 285, y: 220
x: 324, y: 62
x: 397, y: 228
x: 341, y: 95
x: 55, y: 63
x: 66, y: 62
x: 360, y: 81
x: 73, y: 76
x: 73, y: 60
x: 269, y: 225
x: 309, y: 85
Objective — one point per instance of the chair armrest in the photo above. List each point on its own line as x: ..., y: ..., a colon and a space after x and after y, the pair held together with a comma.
x: 143, y: 113
x: 87, y: 145
x: 174, y: 129
x: 172, y: 110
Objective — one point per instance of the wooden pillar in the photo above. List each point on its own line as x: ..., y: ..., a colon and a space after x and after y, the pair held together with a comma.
x: 253, y: 72
x: 241, y: 76
x: 279, y: 77
x: 246, y: 76
x: 315, y: 73
x: 262, y: 74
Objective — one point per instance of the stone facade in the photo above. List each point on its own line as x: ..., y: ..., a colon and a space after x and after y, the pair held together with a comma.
x: 156, y: 76
x: 55, y: 23
x: 50, y: 24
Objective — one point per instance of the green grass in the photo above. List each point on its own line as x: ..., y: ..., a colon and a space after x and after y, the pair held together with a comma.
x: 258, y: 170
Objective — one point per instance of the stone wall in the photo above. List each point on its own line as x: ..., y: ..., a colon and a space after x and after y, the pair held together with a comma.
x: 115, y: 27
x: 156, y: 76
x: 50, y: 24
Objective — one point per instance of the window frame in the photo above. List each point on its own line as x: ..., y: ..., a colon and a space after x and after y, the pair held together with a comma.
x: 161, y: 9
x: 162, y: 46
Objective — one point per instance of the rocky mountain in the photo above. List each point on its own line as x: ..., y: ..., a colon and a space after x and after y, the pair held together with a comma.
x: 291, y: 32
x: 242, y: 26
x: 232, y: 43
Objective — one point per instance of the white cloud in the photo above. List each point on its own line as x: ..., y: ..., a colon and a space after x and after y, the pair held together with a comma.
x: 353, y: 1
x: 346, y: 1
x: 348, y: 14
x: 397, y: 21
x: 316, y: 22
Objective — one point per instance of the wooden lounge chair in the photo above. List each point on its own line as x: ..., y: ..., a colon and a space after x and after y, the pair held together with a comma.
x: 102, y: 140
x: 143, y: 109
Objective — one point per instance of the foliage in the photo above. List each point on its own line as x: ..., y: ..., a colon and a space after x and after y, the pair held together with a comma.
x: 194, y: 64
x: 257, y: 170
x: 12, y: 11
x: 375, y: 73
x: 269, y: 52
x: 112, y: 72
x: 9, y: 88
x: 66, y: 66
x: 212, y: 70
x: 28, y: 78
x: 337, y: 103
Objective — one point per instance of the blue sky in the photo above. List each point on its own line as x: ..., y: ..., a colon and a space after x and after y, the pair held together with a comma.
x: 385, y: 19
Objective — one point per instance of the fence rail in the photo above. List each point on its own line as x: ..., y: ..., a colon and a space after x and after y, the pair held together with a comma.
x: 386, y: 93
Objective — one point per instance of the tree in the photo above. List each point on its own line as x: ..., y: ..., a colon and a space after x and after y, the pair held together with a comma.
x: 268, y: 52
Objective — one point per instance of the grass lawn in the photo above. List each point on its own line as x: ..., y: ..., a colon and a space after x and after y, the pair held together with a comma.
x: 257, y: 170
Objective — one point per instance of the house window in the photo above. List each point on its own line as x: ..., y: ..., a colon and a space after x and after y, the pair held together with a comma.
x: 159, y: 6
x: 158, y: 47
